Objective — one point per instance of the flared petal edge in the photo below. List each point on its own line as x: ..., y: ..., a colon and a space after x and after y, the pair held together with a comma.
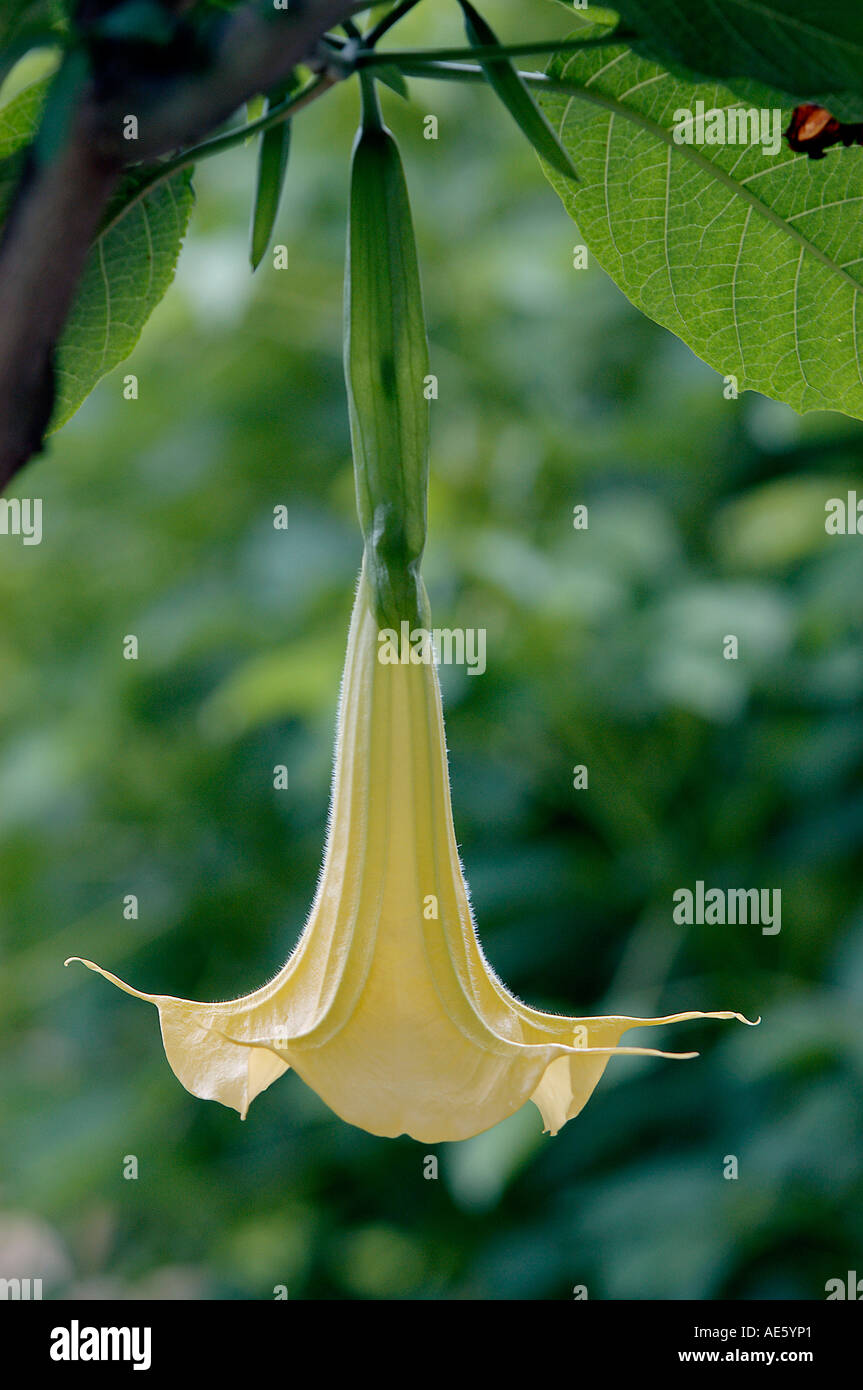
x: 569, y: 1081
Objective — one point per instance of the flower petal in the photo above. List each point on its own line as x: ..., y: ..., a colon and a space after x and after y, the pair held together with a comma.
x: 569, y: 1082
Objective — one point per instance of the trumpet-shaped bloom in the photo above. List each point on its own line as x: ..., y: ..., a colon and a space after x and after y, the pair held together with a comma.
x: 387, y: 1006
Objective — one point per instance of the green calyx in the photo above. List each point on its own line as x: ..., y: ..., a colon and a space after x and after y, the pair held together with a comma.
x: 386, y: 363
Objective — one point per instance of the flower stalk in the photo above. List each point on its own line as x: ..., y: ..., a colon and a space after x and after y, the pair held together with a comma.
x: 386, y: 363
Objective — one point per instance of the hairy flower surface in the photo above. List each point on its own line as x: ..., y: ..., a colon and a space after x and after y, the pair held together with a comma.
x: 387, y: 1007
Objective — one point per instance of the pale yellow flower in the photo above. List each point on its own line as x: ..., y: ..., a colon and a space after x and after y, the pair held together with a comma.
x: 387, y: 1007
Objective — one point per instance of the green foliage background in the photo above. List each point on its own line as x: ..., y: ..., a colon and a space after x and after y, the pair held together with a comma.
x: 155, y: 777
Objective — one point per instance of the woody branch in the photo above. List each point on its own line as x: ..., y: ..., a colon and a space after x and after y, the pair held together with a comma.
x: 178, y: 96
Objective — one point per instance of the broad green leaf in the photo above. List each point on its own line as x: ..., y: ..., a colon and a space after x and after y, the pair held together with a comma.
x: 20, y: 117
x: 503, y: 78
x: 755, y: 261
x: 129, y: 269
x: 812, y: 50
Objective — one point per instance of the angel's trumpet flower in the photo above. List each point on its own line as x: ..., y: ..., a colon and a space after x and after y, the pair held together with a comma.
x: 387, y: 1007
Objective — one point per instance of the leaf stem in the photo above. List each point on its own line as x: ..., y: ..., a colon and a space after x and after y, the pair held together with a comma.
x: 415, y: 67
x: 384, y: 25
x: 412, y: 64
x: 371, y: 118
x: 397, y: 57
x: 472, y: 72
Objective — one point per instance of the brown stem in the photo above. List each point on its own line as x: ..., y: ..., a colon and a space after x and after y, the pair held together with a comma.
x: 44, y: 248
x: 58, y: 208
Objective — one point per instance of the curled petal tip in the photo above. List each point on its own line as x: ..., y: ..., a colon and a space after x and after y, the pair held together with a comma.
x: 82, y: 960
x: 107, y: 975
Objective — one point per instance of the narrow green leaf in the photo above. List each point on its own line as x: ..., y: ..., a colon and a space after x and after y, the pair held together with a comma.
x: 392, y: 78
x: 506, y: 82
x: 272, y: 163
x: 752, y: 256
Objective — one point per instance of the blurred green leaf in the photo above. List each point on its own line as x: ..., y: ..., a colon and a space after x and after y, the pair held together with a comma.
x: 25, y: 24
x: 479, y: 1170
x: 381, y: 1262
x: 20, y: 14
x: 776, y: 524
x: 19, y: 119
x: 278, y: 684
